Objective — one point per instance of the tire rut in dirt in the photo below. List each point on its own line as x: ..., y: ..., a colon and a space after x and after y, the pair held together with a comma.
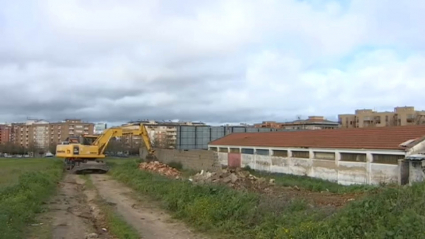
x: 72, y: 216
x: 144, y: 215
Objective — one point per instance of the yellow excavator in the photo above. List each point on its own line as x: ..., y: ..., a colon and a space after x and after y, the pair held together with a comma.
x: 85, y: 153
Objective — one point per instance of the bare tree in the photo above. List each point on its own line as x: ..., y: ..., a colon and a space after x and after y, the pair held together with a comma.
x: 52, y: 148
x: 32, y: 148
x: 115, y: 146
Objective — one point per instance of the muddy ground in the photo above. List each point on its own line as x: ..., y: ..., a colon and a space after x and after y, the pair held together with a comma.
x: 74, y: 214
x: 69, y: 214
x: 140, y: 212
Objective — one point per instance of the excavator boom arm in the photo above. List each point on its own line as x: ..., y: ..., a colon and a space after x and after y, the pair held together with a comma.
x: 103, y: 140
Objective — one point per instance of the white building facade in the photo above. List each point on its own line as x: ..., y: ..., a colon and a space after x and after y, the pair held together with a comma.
x: 99, y: 128
x: 344, y: 166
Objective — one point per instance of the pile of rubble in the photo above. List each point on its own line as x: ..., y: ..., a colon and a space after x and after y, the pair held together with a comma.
x: 235, y: 178
x: 160, y: 168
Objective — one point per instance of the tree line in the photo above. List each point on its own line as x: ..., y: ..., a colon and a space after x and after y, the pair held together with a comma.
x: 32, y: 148
x: 114, y: 147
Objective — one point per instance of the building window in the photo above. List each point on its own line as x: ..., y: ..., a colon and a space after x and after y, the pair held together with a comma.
x: 224, y: 150
x: 280, y: 153
x: 213, y: 149
x: 247, y: 151
x: 386, y: 158
x: 353, y: 157
x: 234, y: 150
x: 263, y: 152
x: 301, y: 154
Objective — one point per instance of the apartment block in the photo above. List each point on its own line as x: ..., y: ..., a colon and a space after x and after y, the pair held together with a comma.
x: 5, y: 133
x: 163, y: 134
x: 364, y: 118
x: 43, y: 134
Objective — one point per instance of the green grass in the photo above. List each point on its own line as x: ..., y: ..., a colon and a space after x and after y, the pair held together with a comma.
x: 116, y: 224
x: 391, y: 213
x: 312, y: 184
x: 26, y: 185
x: 386, y: 212
x: 12, y: 169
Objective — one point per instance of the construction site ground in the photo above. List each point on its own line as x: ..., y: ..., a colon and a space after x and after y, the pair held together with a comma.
x: 75, y: 211
x: 74, y: 214
x: 240, y: 179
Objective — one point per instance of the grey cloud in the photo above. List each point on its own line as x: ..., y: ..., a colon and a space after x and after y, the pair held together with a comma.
x: 214, y: 62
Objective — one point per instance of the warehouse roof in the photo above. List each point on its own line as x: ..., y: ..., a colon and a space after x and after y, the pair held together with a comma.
x: 358, y: 138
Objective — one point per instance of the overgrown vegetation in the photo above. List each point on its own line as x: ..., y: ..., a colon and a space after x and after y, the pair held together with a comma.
x: 312, y: 184
x: 26, y: 184
x: 116, y: 224
x: 390, y: 212
x: 176, y: 165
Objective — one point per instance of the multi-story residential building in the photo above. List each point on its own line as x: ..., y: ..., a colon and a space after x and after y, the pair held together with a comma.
x: 5, y: 133
x: 163, y: 134
x: 313, y: 122
x: 401, y: 116
x: 43, y: 134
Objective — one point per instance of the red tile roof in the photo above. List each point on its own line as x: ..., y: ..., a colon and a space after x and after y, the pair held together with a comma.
x: 357, y: 138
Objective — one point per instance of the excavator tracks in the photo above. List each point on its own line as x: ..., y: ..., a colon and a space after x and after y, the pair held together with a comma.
x: 90, y: 167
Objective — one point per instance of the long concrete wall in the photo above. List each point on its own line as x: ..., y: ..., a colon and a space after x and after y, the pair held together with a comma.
x: 345, y: 173
x: 342, y: 172
x: 193, y: 159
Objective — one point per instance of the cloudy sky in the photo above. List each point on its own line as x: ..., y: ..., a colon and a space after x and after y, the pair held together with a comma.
x: 212, y: 61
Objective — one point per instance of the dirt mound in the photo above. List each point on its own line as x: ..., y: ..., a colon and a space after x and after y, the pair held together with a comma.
x: 160, y: 168
x: 235, y: 178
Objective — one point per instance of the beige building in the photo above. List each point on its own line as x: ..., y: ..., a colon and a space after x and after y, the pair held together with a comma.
x: 368, y: 118
x: 311, y: 123
x: 43, y: 134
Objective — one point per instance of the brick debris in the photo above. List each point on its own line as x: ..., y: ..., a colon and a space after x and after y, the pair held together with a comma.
x: 160, y: 168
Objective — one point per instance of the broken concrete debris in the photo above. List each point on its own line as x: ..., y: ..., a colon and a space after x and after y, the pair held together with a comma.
x: 160, y: 168
x: 92, y: 235
x: 236, y: 178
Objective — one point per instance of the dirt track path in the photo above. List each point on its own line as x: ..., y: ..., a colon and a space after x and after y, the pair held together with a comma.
x: 71, y: 214
x: 150, y: 221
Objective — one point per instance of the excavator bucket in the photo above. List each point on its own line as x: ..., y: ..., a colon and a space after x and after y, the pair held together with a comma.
x: 87, y: 168
x: 151, y: 157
